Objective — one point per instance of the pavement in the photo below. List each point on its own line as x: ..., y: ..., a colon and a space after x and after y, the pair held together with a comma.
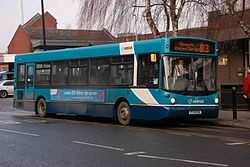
x: 225, y: 118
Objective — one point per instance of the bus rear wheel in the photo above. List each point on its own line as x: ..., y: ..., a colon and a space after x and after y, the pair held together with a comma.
x: 123, y: 113
x: 41, y: 108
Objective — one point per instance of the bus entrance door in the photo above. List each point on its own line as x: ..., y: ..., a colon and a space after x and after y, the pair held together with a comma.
x: 29, y: 87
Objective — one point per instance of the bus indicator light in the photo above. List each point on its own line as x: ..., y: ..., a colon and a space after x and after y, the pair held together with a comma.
x: 167, y: 95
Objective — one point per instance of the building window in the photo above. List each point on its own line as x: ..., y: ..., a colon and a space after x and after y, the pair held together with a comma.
x: 222, y: 60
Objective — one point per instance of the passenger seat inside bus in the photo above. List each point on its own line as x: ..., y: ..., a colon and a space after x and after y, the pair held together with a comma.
x: 180, y: 84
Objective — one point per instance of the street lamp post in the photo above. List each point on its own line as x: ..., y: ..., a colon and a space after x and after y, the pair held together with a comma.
x: 43, y: 27
x: 136, y: 36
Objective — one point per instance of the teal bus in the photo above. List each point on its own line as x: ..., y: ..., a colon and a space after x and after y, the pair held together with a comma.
x: 154, y: 79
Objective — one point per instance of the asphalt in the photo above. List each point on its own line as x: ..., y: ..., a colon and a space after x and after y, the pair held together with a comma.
x: 226, y: 119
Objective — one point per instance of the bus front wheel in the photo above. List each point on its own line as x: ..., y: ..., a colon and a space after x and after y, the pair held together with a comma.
x: 41, y: 108
x: 123, y: 113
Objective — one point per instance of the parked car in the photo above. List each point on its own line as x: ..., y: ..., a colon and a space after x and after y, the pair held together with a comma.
x: 6, y: 88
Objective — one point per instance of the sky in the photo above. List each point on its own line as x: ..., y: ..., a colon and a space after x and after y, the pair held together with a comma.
x: 65, y: 11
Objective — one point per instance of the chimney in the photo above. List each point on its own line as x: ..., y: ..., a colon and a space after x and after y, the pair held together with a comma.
x: 20, y: 7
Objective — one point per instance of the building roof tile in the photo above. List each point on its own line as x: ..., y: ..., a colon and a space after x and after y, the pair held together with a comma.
x: 66, y: 34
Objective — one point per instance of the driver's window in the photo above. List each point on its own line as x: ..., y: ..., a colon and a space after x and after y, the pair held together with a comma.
x: 148, y: 69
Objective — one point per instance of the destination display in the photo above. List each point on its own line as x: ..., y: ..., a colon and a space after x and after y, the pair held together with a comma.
x: 192, y: 46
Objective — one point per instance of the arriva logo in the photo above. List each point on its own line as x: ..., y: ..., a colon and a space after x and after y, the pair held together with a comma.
x: 195, y: 101
x: 127, y: 48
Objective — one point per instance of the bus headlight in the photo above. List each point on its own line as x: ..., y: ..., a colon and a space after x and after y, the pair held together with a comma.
x: 172, y: 100
x: 216, y: 100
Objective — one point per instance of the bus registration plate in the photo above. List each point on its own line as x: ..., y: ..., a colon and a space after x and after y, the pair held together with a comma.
x: 195, y: 112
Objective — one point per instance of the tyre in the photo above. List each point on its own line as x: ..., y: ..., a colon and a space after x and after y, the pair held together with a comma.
x: 3, y: 94
x: 123, y: 113
x: 41, y: 108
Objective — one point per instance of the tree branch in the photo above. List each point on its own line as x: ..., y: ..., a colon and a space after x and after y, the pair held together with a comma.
x: 144, y: 6
x: 179, y: 11
x: 150, y: 20
x: 245, y: 28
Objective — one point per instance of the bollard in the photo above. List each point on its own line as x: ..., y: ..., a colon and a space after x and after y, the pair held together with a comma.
x: 234, y: 103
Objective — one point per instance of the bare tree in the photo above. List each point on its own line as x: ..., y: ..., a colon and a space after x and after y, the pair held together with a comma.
x: 237, y: 8
x: 116, y: 16
x: 150, y: 20
x: 153, y: 15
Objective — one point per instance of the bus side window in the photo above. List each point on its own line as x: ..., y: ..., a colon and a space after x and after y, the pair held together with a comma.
x: 148, y: 70
x: 122, y: 70
x: 60, y: 73
x: 43, y: 74
x: 100, y: 71
x: 78, y: 72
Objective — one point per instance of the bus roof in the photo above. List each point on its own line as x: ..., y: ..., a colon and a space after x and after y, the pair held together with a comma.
x: 140, y: 47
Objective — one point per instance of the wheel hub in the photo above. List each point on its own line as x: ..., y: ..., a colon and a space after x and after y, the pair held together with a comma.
x: 124, y: 113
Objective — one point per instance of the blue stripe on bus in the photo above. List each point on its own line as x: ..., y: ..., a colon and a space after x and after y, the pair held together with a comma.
x: 159, y: 113
x: 98, y: 110
x: 137, y: 112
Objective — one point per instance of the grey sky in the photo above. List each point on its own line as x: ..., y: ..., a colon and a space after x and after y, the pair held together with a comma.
x: 65, y: 11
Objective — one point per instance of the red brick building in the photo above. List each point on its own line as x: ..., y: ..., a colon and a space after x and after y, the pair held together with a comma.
x: 29, y: 38
x: 21, y: 41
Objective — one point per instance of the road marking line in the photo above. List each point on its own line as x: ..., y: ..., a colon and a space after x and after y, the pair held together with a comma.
x: 178, y: 133
x: 34, y: 121
x: 182, y: 160
x: 98, y: 145
x: 9, y: 122
x: 136, y: 129
x: 18, y: 132
x: 234, y: 140
x: 233, y: 144
x: 135, y: 153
